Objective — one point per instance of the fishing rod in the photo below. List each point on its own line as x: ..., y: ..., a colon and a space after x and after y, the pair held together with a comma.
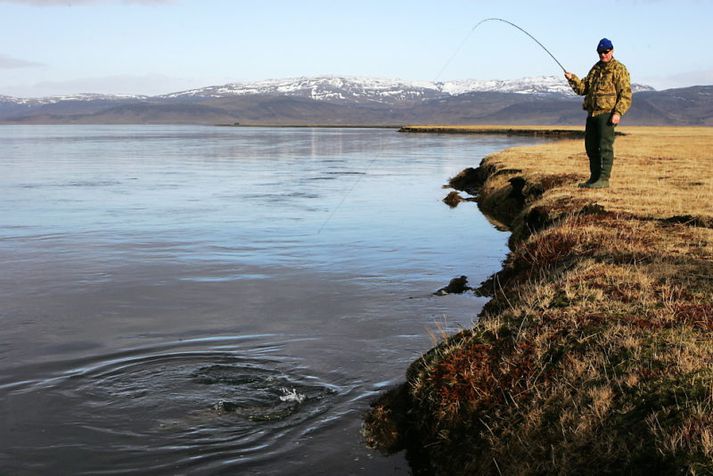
x: 356, y: 182
x: 503, y: 21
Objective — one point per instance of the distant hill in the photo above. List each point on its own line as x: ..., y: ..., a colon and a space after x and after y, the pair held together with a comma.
x: 360, y: 101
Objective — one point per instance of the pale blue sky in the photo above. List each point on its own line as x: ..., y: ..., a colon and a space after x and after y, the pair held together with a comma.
x: 159, y: 46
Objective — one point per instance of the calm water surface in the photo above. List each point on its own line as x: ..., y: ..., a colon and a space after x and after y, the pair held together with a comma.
x: 222, y: 300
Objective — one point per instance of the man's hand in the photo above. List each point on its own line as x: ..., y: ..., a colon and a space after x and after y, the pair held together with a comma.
x: 568, y: 75
x: 615, y: 118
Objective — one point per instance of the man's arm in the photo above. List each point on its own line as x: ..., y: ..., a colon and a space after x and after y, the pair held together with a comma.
x: 579, y: 86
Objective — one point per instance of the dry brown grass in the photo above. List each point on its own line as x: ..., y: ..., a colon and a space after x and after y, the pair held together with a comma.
x: 658, y: 171
x: 595, y: 354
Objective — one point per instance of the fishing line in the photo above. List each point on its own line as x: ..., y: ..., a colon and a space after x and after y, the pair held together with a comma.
x: 460, y: 47
x: 503, y: 21
x: 346, y: 194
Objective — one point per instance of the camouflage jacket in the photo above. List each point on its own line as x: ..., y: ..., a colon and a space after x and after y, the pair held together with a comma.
x: 606, y: 89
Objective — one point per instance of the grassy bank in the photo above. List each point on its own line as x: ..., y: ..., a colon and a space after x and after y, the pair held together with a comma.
x: 595, y: 353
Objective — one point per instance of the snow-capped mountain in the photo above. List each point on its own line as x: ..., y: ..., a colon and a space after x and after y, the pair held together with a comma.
x: 323, y: 88
x: 81, y: 97
x: 334, y: 100
x: 340, y: 90
x: 375, y: 90
x: 350, y: 89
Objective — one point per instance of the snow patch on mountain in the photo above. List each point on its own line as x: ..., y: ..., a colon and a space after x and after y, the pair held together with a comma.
x: 329, y: 88
x: 326, y: 88
x: 82, y: 97
x: 341, y: 89
x: 534, y: 85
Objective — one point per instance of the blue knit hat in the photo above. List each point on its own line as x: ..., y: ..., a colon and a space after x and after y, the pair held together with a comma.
x: 604, y: 44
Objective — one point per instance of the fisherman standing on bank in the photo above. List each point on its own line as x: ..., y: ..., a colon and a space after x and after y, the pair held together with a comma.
x: 607, y: 96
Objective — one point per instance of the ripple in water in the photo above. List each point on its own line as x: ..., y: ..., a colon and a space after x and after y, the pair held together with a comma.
x: 202, y: 410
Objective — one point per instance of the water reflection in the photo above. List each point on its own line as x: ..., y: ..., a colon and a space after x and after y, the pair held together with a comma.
x: 222, y: 299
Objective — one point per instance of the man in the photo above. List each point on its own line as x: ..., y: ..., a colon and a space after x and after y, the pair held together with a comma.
x: 607, y: 96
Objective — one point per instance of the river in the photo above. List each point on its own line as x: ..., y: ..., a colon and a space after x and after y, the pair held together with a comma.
x: 221, y: 300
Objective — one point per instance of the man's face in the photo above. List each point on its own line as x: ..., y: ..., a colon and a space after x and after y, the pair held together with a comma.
x: 606, y: 56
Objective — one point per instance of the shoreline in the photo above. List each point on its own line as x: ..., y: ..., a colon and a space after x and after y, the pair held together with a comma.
x: 595, y: 352
x: 562, y: 132
x: 316, y: 126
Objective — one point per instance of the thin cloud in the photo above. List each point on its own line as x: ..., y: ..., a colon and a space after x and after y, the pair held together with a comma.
x: 681, y: 80
x: 69, y: 3
x: 7, y: 62
x: 694, y: 77
x: 123, y: 84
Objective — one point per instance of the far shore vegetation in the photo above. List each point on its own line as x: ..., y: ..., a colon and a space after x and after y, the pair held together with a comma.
x: 595, y: 353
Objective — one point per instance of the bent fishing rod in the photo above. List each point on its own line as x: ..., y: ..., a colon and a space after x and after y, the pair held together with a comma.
x: 503, y: 21
x: 356, y: 182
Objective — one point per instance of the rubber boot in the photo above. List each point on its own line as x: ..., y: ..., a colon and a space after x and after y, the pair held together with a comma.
x: 606, y: 152
x: 607, y: 162
x: 594, y: 170
x: 591, y: 145
x: 601, y: 183
x: 586, y: 184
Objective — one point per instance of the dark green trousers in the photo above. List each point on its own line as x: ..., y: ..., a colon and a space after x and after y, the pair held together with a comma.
x: 599, y: 143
